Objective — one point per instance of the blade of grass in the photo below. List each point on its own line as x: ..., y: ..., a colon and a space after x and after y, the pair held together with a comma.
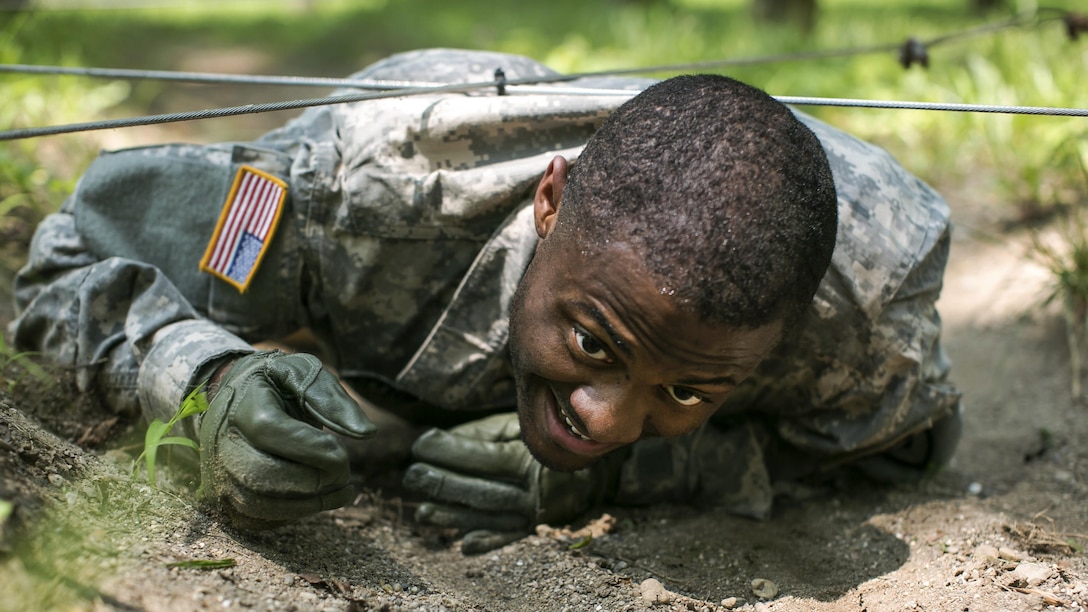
x: 180, y: 441
x: 195, y: 403
x: 156, y: 429
x: 204, y: 564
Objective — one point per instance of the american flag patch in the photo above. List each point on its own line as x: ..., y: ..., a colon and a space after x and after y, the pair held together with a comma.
x: 245, y: 227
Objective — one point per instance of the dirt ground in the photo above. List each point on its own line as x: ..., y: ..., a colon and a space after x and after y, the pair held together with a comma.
x: 1003, y: 529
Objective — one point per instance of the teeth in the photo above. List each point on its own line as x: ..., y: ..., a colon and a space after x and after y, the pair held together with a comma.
x: 573, y: 429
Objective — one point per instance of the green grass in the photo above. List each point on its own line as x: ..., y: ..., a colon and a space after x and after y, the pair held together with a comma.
x: 36, y: 175
x: 16, y: 365
x: 156, y: 435
x: 86, y: 532
x: 1065, y: 257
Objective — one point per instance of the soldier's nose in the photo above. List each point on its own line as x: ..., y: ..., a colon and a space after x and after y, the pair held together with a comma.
x: 610, y: 412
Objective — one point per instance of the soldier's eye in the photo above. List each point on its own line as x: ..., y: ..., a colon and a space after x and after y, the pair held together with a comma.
x: 683, y: 396
x: 590, y: 346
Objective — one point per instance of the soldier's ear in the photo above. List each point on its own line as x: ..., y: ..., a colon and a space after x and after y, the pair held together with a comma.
x: 549, y: 196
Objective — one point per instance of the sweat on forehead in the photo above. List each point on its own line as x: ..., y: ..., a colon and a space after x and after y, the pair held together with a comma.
x: 727, y: 195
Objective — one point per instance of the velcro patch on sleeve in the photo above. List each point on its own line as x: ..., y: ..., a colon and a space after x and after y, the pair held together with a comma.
x: 245, y: 227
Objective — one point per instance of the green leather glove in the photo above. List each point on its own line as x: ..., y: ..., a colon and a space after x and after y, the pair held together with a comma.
x: 483, y: 481
x: 265, y: 458
x: 918, y: 456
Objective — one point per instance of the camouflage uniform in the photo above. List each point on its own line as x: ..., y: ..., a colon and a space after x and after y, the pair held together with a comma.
x: 405, y: 233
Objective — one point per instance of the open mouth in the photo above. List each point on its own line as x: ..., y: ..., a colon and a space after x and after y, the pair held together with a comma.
x: 571, y: 426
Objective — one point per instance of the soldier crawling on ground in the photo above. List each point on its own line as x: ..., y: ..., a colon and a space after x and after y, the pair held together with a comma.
x: 713, y: 295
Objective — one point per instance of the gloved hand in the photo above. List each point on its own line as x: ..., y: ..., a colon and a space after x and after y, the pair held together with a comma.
x: 264, y: 458
x: 918, y: 456
x: 483, y: 481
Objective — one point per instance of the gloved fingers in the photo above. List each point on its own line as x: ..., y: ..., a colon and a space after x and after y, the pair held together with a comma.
x: 918, y: 456
x: 477, y: 542
x: 478, y: 493
x: 248, y: 510
x: 267, y: 475
x: 319, y: 394
x: 507, y: 460
x: 501, y: 427
x: 467, y: 519
x: 889, y: 470
x: 260, y: 418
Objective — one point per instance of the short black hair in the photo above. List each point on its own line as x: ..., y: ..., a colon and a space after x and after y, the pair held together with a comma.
x: 726, y: 195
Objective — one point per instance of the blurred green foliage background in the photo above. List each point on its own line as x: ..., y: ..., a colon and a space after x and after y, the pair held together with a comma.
x: 1021, y: 166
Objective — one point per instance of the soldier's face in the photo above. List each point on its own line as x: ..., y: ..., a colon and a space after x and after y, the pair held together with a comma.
x: 603, y: 357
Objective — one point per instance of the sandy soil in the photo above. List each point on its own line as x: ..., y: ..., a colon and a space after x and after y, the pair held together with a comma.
x: 1003, y: 529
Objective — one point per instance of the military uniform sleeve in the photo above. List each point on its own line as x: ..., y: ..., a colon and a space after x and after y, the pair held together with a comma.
x: 121, y: 325
x: 113, y: 289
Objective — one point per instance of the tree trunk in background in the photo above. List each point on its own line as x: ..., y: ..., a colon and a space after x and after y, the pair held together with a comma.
x: 802, y: 12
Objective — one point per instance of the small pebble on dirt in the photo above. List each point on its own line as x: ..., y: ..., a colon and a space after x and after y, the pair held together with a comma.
x: 764, y: 589
x: 1009, y: 554
x: 985, y: 551
x: 975, y: 488
x: 729, y: 603
x: 653, y: 592
x: 1033, y: 574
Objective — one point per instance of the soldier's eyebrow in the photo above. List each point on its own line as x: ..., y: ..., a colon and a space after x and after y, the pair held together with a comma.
x: 717, y: 381
x: 594, y: 313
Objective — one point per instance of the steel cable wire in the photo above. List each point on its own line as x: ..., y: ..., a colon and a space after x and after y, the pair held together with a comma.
x: 307, y: 81
x: 386, y: 89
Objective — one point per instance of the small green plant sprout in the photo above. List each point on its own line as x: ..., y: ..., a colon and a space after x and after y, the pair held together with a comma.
x: 582, y: 543
x: 10, y: 359
x: 1066, y: 258
x: 195, y: 403
x: 6, y: 508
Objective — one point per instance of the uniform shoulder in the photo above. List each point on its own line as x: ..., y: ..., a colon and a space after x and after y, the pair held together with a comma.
x: 889, y: 219
x: 442, y: 65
